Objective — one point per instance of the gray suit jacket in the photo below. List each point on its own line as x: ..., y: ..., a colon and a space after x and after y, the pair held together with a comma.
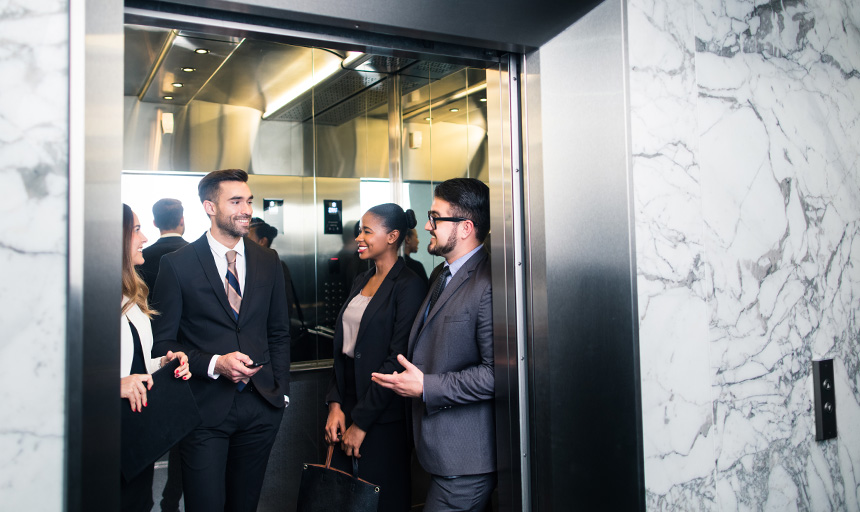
x: 454, y: 425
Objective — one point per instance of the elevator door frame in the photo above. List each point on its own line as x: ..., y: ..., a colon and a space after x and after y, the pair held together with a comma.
x: 92, y: 443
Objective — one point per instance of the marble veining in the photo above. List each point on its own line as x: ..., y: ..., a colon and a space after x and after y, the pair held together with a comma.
x: 746, y: 145
x: 33, y: 248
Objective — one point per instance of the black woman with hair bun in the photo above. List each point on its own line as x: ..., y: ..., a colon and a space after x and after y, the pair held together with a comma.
x: 372, y: 327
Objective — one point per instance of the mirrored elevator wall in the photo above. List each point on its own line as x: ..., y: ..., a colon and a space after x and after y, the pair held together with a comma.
x: 311, y: 126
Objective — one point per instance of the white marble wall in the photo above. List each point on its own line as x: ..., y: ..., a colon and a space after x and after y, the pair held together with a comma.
x: 746, y: 162
x: 33, y: 246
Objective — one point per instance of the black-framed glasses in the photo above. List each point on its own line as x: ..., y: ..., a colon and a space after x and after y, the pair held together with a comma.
x: 434, y: 220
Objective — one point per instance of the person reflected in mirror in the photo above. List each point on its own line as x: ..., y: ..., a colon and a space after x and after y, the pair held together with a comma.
x: 410, y: 246
x: 264, y: 234
x: 169, y: 217
x: 222, y: 301
x: 136, y: 365
x: 372, y: 327
x: 449, y: 373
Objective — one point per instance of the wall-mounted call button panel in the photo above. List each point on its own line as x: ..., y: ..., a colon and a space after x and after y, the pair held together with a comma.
x: 825, y: 399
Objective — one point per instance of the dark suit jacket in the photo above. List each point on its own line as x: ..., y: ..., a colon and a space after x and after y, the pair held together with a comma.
x: 382, y: 334
x: 152, y: 256
x: 196, y: 318
x: 417, y: 267
x: 454, y: 424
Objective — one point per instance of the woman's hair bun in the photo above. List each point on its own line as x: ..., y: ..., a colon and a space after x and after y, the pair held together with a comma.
x: 411, y: 221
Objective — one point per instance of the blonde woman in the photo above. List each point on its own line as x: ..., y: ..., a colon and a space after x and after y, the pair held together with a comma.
x: 136, y: 347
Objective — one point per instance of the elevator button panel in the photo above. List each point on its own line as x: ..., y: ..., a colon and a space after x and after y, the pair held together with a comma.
x: 825, y: 399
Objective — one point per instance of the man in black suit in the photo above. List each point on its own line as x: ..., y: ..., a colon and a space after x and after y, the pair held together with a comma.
x: 221, y: 298
x: 168, y: 217
x: 451, y: 378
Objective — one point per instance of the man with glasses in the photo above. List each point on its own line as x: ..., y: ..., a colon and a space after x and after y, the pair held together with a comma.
x: 450, y: 378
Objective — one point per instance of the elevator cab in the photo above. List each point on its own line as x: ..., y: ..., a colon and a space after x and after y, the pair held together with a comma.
x: 326, y: 130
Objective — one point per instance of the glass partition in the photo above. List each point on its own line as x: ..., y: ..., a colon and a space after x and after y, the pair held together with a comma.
x: 325, y: 134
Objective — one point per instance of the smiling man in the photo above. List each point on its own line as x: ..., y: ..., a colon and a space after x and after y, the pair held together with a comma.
x: 451, y: 378
x: 222, y: 300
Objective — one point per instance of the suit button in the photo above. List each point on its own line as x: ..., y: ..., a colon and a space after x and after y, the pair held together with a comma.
x: 238, y: 330
x: 358, y: 355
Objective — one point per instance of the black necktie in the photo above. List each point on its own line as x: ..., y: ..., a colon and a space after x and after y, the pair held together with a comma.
x: 438, y: 286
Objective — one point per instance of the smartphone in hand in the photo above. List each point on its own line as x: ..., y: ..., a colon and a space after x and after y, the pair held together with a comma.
x: 257, y: 364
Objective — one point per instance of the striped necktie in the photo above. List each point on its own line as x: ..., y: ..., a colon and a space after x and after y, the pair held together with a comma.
x: 439, y: 287
x: 231, y: 284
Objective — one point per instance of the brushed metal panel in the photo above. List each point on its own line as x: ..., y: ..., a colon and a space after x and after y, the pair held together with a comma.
x: 587, y: 410
x: 95, y: 253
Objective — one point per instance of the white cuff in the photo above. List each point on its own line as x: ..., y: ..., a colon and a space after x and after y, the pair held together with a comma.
x: 286, y: 401
x: 212, y: 374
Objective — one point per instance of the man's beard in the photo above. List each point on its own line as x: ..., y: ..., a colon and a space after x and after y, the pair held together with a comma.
x: 228, y: 225
x: 442, y: 250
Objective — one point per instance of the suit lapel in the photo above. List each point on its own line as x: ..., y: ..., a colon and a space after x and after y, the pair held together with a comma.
x: 457, y: 281
x: 207, y: 261
x: 378, y: 298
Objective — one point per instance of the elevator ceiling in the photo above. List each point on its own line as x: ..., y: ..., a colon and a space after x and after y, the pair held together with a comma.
x: 176, y: 67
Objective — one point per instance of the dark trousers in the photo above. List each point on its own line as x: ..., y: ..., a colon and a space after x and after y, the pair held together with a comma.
x: 173, y: 488
x: 136, y: 495
x: 462, y: 493
x: 223, y: 466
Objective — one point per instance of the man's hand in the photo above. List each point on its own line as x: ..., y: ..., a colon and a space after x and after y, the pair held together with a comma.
x: 408, y: 383
x: 233, y: 367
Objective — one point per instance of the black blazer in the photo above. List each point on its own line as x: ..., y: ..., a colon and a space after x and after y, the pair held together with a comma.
x: 196, y: 318
x: 382, y: 334
x: 152, y: 256
x: 418, y: 268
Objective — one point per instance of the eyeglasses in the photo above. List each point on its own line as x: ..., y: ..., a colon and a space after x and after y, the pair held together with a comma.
x: 434, y: 220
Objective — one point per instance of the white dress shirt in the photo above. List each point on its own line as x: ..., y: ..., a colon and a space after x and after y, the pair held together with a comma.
x: 219, y: 253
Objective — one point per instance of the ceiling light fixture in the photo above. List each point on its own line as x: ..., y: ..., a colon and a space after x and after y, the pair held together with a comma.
x: 428, y: 118
x: 318, y: 76
x: 454, y: 110
x: 177, y: 84
x: 188, y: 70
x: 201, y: 51
x: 168, y: 97
x: 484, y: 100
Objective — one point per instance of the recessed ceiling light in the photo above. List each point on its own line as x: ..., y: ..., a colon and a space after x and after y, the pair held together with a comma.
x: 454, y: 110
x: 177, y: 84
x: 201, y: 50
x: 188, y: 70
x: 428, y: 118
x: 484, y: 100
x: 168, y: 97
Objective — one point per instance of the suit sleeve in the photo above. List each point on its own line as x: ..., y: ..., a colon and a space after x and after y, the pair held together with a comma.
x: 475, y: 383
x: 277, y: 329
x: 375, y: 401
x: 165, y: 325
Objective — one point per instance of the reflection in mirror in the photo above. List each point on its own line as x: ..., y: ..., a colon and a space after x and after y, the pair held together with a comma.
x: 309, y: 125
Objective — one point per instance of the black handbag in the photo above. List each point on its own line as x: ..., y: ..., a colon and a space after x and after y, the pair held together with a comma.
x: 326, y: 489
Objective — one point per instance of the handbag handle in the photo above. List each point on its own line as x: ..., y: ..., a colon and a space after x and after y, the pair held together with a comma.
x: 328, y: 456
x: 328, y: 461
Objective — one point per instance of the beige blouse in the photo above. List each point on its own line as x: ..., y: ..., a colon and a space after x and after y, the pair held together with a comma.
x: 351, y: 321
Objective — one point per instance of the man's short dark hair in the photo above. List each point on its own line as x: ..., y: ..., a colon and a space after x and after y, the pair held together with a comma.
x: 470, y: 199
x: 167, y: 213
x: 210, y: 185
x: 264, y: 230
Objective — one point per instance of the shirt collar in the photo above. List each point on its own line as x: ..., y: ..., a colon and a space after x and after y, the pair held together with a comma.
x: 459, y: 262
x: 168, y: 235
x: 221, y: 250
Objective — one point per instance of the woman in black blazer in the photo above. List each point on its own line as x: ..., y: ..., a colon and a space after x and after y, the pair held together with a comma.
x: 372, y: 328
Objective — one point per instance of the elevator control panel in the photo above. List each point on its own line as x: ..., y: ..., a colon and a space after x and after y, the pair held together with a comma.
x: 333, y: 217
x: 825, y: 399
x: 334, y: 294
